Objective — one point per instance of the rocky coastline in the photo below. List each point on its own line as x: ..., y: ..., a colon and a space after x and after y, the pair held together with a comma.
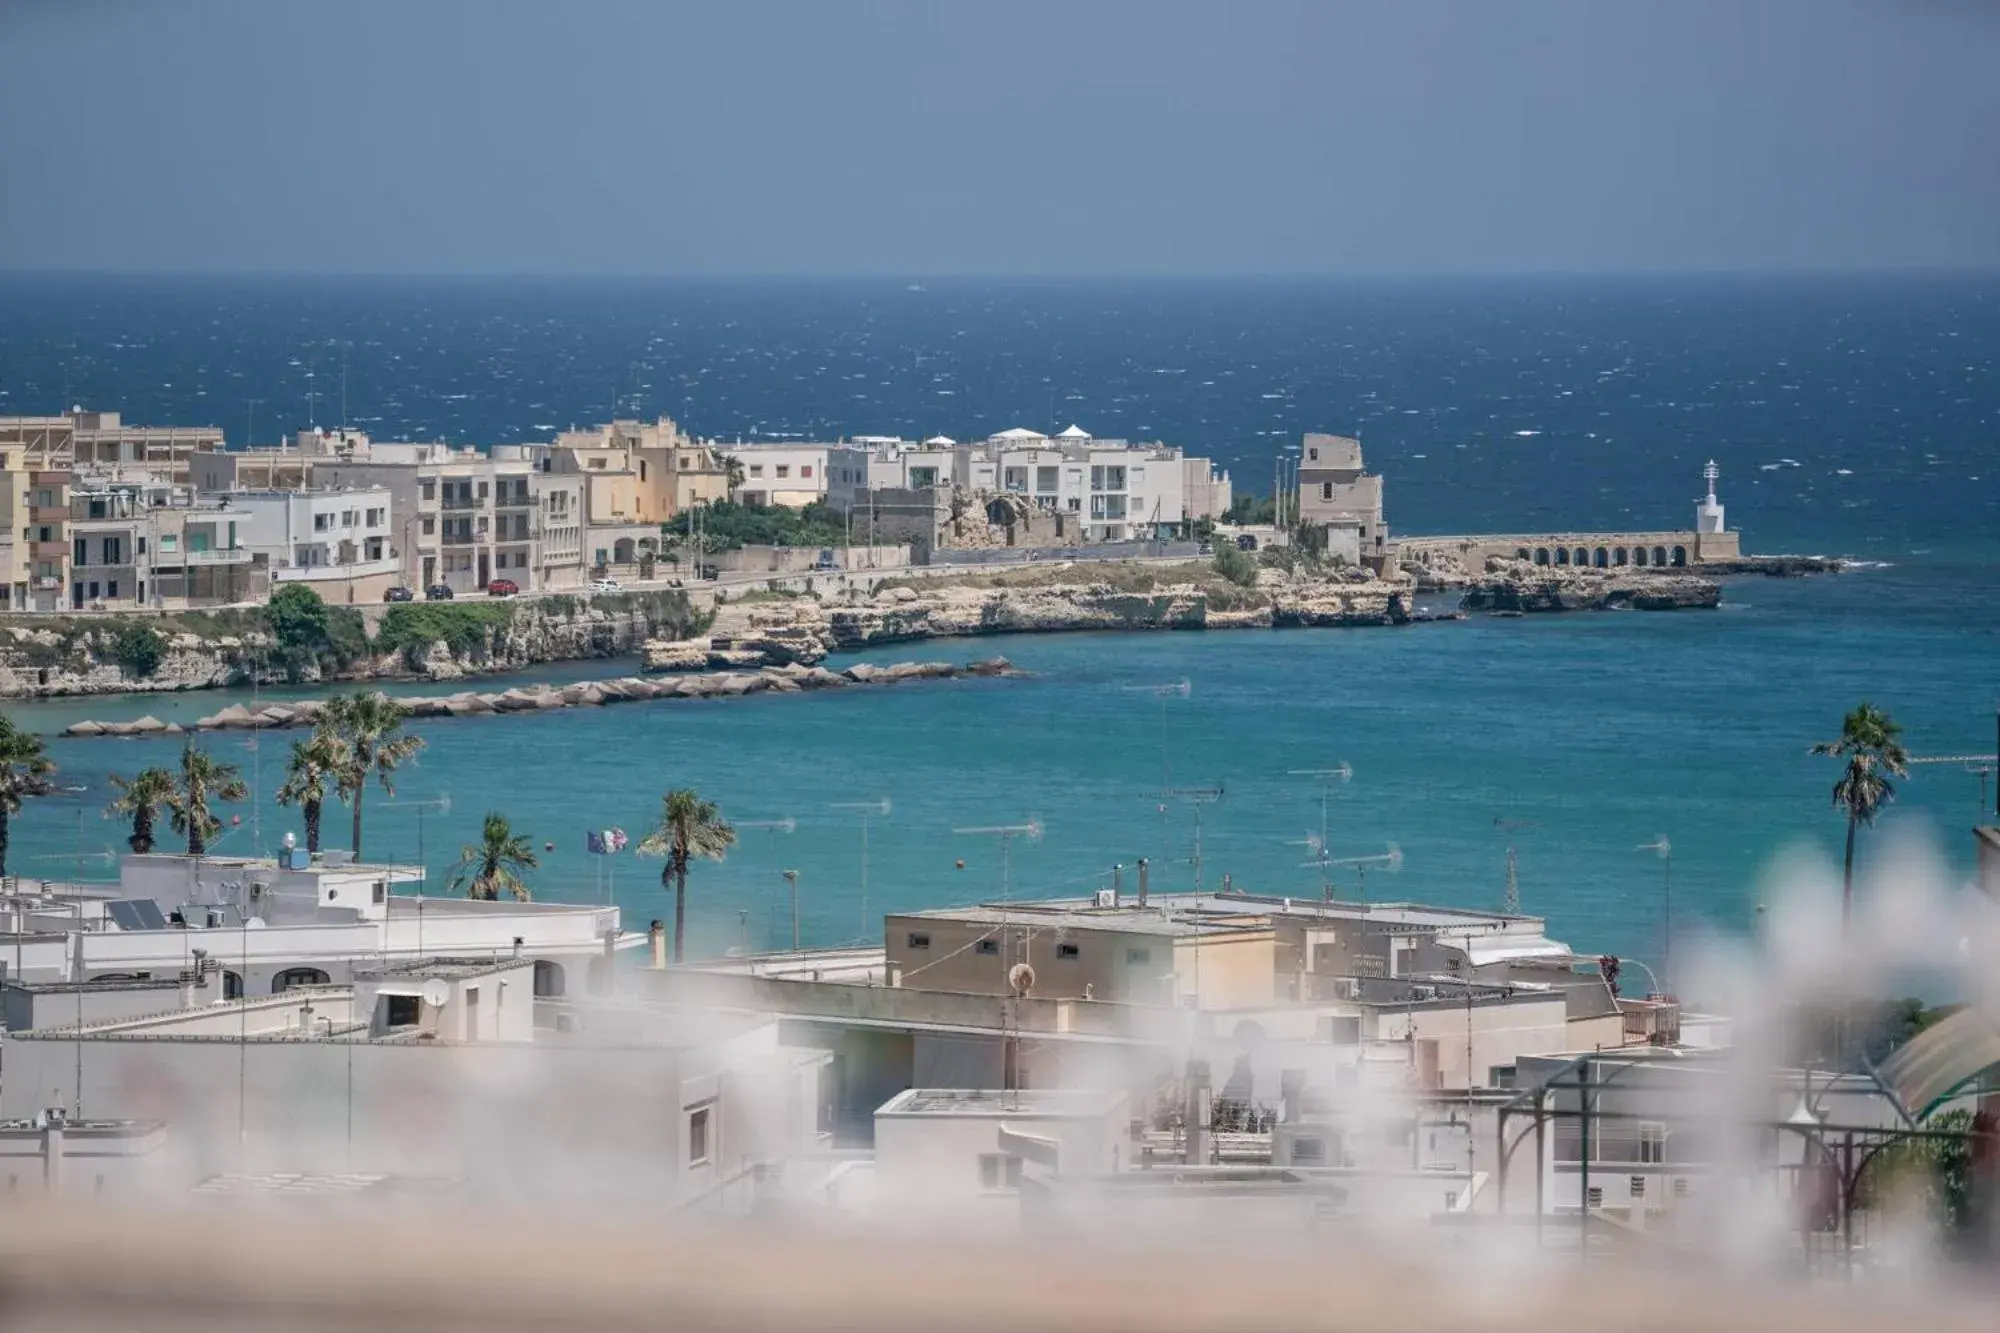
x: 1516, y: 586
x: 793, y: 679
x: 53, y: 657
x: 804, y: 629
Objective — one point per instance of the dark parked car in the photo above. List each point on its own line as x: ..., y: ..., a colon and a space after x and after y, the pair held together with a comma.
x: 1246, y: 543
x: 501, y: 587
x: 438, y: 592
x: 399, y: 594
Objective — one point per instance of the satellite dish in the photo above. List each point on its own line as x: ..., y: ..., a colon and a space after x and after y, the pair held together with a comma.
x: 436, y: 992
x: 1021, y: 978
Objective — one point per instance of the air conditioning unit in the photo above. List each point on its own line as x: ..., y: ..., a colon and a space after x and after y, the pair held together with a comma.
x: 1107, y: 898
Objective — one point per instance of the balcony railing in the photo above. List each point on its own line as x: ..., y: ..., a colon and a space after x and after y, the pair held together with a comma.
x: 48, y: 513
x: 48, y: 550
x: 462, y: 502
x: 235, y: 555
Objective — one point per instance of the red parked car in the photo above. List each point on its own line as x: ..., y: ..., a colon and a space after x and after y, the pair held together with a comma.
x: 502, y: 587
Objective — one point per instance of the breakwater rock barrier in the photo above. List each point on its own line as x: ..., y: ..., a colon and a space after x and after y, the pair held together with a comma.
x: 1516, y: 586
x: 791, y: 679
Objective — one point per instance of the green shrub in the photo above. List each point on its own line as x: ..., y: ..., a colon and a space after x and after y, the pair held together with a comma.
x: 298, y: 620
x: 139, y: 650
x: 1236, y: 566
x: 411, y: 628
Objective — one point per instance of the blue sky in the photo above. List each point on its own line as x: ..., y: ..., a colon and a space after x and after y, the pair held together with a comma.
x: 1086, y: 137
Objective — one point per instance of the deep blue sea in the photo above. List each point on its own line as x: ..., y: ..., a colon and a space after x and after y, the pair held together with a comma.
x: 1853, y: 416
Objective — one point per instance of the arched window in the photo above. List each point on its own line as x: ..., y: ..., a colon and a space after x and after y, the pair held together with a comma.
x: 1620, y: 556
x: 1602, y: 558
x: 1541, y: 555
x: 1659, y: 555
x: 1639, y: 555
x: 1521, y: 554
x: 299, y: 976
x: 548, y: 979
x: 1582, y: 556
x: 232, y: 986
x: 1680, y: 557
x: 1562, y: 555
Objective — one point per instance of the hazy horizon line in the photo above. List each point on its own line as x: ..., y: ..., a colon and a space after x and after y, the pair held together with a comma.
x: 970, y: 276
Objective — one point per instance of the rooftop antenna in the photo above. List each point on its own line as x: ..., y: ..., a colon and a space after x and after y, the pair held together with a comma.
x: 1665, y: 851
x: 785, y: 824
x: 1390, y: 861
x: 1032, y: 831
x: 250, y: 421
x: 441, y: 804
x: 868, y: 810
x: 1327, y: 779
x: 1196, y: 797
x: 1982, y: 764
x: 1510, y: 903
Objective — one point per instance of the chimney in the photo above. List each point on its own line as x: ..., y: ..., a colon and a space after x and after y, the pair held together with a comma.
x: 53, y: 1122
x: 1200, y: 1111
x: 1142, y: 881
x: 1292, y: 1090
x: 1118, y: 885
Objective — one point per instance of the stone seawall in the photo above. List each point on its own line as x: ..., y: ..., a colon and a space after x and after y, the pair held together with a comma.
x: 52, y: 656
x: 580, y: 694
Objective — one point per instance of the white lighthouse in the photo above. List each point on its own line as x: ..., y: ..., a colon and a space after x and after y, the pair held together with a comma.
x: 1708, y: 511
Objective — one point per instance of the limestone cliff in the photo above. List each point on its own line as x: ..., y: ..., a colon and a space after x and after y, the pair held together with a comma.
x: 438, y: 641
x: 803, y: 629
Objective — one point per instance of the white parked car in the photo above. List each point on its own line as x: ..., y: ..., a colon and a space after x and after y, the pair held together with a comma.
x: 604, y: 585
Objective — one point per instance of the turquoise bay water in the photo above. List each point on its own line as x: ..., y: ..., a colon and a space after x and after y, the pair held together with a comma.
x: 1601, y: 730
x: 1850, y: 415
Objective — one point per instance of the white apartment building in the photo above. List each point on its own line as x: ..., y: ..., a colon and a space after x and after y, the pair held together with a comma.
x: 793, y: 476
x: 1119, y: 490
x: 340, y: 543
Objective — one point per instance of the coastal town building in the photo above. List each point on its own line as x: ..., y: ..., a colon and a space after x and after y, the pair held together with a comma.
x: 793, y: 476
x: 1338, y: 495
x: 440, y: 1066
x: 642, y: 472
x: 272, y: 923
x: 462, y: 517
x: 1116, y: 490
x: 340, y: 543
x: 139, y: 542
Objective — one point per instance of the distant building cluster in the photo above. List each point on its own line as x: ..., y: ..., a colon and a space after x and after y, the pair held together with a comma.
x: 96, y: 514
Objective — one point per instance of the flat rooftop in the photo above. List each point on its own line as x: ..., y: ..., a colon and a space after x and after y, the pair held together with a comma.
x: 1025, y: 1103
x: 1245, y: 911
x: 452, y: 969
x: 1168, y: 920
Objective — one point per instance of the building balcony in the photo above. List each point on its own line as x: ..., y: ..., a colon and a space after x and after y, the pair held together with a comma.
x: 237, y: 555
x: 57, y: 514
x: 48, y: 550
x: 49, y: 479
x: 458, y: 503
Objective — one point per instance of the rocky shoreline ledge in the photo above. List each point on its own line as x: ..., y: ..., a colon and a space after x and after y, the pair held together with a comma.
x: 793, y: 679
x: 802, y: 629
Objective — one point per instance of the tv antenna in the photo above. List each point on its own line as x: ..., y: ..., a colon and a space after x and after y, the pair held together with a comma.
x: 868, y: 810
x: 1179, y: 689
x: 1032, y: 831
x: 1327, y: 778
x: 1387, y: 859
x: 785, y: 824
x: 1196, y: 797
x: 1510, y: 903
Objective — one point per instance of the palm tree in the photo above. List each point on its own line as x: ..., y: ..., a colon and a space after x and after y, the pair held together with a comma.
x: 24, y: 772
x: 370, y: 729
x: 689, y: 827
x: 141, y: 796
x: 1869, y: 742
x: 311, y: 775
x: 493, y: 865
x: 203, y: 779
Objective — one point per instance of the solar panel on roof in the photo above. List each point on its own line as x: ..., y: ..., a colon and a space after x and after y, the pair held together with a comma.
x: 135, y: 914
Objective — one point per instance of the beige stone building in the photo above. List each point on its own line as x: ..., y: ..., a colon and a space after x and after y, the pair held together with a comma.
x: 1129, y: 954
x: 1338, y: 493
x: 139, y: 542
